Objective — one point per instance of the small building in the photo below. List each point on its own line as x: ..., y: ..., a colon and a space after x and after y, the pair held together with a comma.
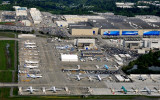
x: 84, y: 44
x: 69, y: 57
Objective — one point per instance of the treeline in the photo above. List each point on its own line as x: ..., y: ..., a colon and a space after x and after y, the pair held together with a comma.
x: 82, y: 7
x: 143, y: 62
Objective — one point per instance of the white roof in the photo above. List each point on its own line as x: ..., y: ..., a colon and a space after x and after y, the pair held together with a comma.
x: 69, y: 57
x: 127, y: 55
x: 119, y: 77
x: 122, y: 55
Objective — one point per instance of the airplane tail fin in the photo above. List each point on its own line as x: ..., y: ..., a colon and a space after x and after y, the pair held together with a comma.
x: 28, y: 75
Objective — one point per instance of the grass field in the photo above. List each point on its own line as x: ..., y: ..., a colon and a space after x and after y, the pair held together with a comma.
x: 5, y: 76
x: 3, y: 58
x: 7, y: 34
x: 4, y: 93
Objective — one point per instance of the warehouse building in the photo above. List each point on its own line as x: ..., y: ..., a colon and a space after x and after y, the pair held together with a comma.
x: 36, y: 15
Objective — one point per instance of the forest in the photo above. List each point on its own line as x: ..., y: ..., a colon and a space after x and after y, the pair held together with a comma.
x: 82, y: 7
x: 143, y: 62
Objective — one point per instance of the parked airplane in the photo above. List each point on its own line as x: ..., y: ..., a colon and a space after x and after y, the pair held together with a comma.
x: 77, y: 77
x: 30, y: 66
x: 104, y: 67
x: 54, y: 89
x: 146, y: 89
x: 98, y: 77
x: 33, y: 76
x: 141, y: 78
x: 31, y: 90
x: 124, y: 90
x: 31, y: 62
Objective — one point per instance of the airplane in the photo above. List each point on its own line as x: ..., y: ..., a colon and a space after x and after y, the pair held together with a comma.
x: 124, y: 90
x: 141, y: 78
x: 33, y: 76
x: 90, y: 78
x: 30, y: 66
x: 104, y: 67
x: 54, y: 89
x: 146, y: 89
x: 31, y: 90
x: 100, y: 78
x: 77, y: 77
x: 44, y: 90
x: 31, y: 62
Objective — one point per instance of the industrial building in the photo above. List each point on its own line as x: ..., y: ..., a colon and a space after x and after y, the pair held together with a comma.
x: 145, y: 43
x: 116, y: 25
x: 85, y: 44
x: 36, y: 15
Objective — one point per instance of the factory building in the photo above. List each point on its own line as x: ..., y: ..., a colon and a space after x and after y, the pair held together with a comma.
x: 85, y: 44
x: 151, y: 43
x: 36, y: 15
x: 145, y: 43
x: 116, y: 25
x: 132, y: 43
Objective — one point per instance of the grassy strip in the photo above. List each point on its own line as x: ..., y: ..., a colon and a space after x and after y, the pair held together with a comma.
x: 7, y: 34
x: 5, y: 76
x: 4, y: 93
x: 3, y: 60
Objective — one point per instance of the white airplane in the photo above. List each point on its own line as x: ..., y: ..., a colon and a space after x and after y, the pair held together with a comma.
x: 31, y: 90
x: 30, y: 66
x: 77, y: 77
x: 141, y: 78
x: 44, y: 90
x: 54, y: 89
x: 31, y: 62
x: 146, y: 89
x: 33, y: 76
x: 100, y: 78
